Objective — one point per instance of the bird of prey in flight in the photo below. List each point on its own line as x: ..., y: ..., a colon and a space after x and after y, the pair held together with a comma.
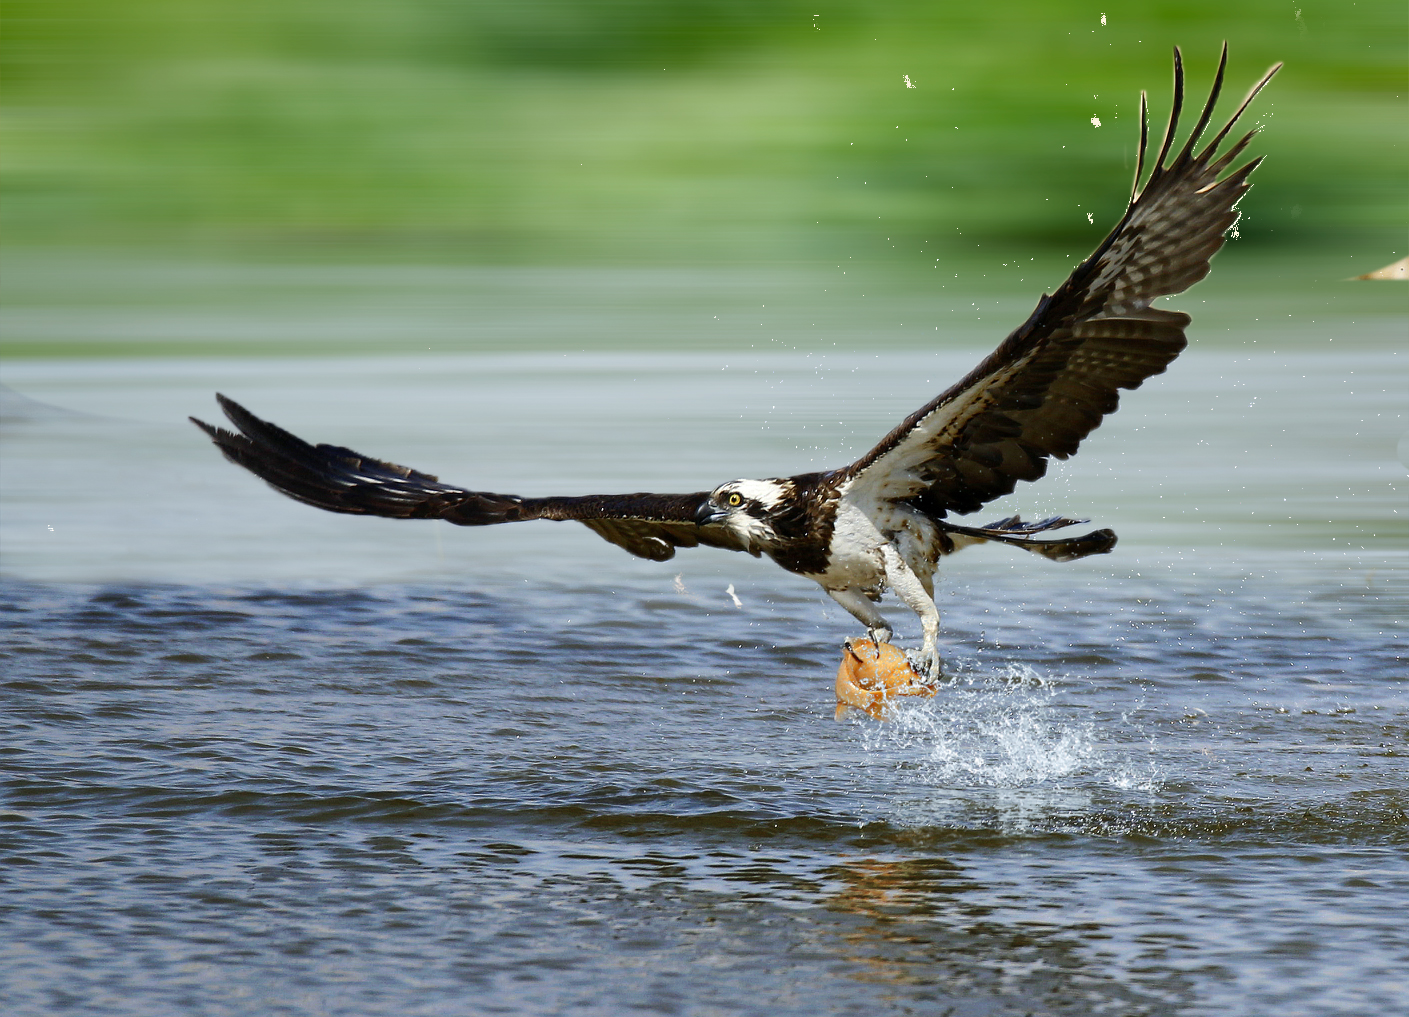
x: 883, y: 522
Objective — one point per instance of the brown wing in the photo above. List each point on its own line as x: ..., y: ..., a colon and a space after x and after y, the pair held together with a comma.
x: 1047, y: 386
x: 341, y: 480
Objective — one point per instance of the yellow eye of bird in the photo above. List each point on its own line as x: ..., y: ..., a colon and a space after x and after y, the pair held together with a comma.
x: 735, y: 499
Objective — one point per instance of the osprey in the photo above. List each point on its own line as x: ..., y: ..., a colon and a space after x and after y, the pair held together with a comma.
x: 882, y: 522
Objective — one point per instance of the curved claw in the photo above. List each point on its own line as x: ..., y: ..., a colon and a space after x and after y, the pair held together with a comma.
x: 879, y: 634
x: 928, y: 663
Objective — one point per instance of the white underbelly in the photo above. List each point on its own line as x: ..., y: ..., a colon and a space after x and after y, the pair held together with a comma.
x: 856, y: 561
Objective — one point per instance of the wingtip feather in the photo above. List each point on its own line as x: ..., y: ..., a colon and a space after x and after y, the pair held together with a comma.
x: 1242, y: 108
x: 1207, y: 114
x: 1144, y: 144
x: 1174, y: 111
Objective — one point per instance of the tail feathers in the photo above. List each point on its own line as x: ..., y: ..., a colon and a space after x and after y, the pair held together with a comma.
x: 1014, y: 524
x: 1095, y: 542
x: 340, y: 480
x: 1016, y: 532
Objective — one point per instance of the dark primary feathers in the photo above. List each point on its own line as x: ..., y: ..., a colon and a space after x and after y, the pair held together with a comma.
x: 341, y: 480
x: 1047, y: 386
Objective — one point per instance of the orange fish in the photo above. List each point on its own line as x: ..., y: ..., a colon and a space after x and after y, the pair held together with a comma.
x: 868, y: 678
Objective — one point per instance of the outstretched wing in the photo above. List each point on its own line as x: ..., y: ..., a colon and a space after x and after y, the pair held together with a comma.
x: 341, y: 480
x: 1047, y: 386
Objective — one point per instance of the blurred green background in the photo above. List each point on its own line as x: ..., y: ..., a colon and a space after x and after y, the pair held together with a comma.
x: 196, y: 193
x: 642, y: 132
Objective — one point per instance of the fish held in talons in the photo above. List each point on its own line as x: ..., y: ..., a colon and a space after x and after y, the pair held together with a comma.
x: 871, y: 675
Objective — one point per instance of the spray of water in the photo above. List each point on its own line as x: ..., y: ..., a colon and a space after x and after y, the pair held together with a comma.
x: 1003, y: 727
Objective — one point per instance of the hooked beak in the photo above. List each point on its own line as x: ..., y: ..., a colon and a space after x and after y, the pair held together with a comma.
x: 708, y: 513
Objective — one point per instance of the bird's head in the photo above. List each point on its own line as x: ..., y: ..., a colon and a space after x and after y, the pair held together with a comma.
x: 745, y: 507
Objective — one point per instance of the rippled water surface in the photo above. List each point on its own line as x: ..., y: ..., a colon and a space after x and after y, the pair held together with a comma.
x: 265, y: 760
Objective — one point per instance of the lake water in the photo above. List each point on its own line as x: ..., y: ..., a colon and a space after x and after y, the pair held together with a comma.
x: 264, y: 760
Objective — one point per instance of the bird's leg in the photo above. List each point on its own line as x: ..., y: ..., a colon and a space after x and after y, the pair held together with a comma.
x: 911, y: 590
x: 866, y: 613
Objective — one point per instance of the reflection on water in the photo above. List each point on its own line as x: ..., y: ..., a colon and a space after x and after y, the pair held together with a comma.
x: 927, y: 931
x: 264, y: 760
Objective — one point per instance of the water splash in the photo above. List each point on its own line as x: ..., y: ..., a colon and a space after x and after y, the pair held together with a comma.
x: 1003, y: 728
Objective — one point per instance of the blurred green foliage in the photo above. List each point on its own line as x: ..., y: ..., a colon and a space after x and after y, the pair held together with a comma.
x: 661, y: 130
